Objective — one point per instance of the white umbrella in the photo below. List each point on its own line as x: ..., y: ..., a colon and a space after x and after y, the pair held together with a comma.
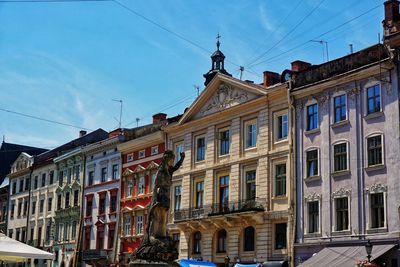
x: 12, y: 250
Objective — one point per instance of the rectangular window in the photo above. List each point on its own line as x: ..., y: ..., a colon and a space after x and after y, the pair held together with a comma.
x: 153, y: 179
x: 27, y: 182
x: 280, y: 180
x: 77, y: 172
x: 251, y: 185
x: 141, y: 185
x: 154, y: 150
x: 49, y: 203
x: 19, y: 208
x: 25, y: 208
x: 33, y: 207
x: 23, y: 235
x: 224, y: 143
x: 312, y: 163
x: 374, y: 99
x: 12, y: 210
x: 67, y: 200
x: 200, y: 148
x: 142, y: 154
x: 282, y: 126
x: 17, y: 234
x: 178, y: 150
x: 103, y: 174
x: 250, y: 134
x: 377, y: 210
x: 102, y: 204
x: 48, y: 229
x: 129, y: 188
x: 100, y: 239
x: 113, y: 203
x: 199, y: 187
x: 35, y: 182
x: 280, y: 235
x: 58, y: 202
x: 340, y: 157
x: 73, y: 230
x: 127, y: 225
x: 41, y: 206
x: 10, y: 233
x: 313, y: 217
x: 76, y: 197
x: 43, y: 180
x: 21, y: 185
x: 60, y: 178
x: 115, y: 171
x: 224, y: 192
x: 139, y: 224
x: 129, y: 157
x: 178, y: 197
x: 312, y: 117
x: 90, y: 178
x: 374, y: 146
x: 51, y: 177
x: 342, y: 213
x: 340, y: 108
x: 14, y: 188
x: 89, y: 206
x: 111, y: 235
x: 87, y: 238
x: 69, y: 175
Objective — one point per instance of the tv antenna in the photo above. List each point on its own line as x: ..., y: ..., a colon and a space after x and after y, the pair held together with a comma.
x: 324, y: 46
x: 120, y: 112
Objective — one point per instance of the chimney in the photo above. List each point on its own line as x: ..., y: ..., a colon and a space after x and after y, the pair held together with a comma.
x: 159, y: 117
x: 271, y: 78
x: 299, y: 65
x: 391, y: 10
x: 82, y: 133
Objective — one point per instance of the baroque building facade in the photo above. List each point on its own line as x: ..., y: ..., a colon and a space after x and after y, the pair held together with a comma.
x: 231, y: 197
x: 101, y: 201
x: 141, y: 155
x: 347, y: 147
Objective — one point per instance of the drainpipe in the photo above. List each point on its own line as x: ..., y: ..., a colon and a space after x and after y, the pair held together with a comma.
x: 292, y: 165
x: 78, y: 248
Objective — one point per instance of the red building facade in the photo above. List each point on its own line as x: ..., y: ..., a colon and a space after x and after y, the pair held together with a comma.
x: 141, y: 156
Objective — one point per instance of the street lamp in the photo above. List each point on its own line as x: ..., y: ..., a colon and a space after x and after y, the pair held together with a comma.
x: 368, y: 248
x: 226, y: 261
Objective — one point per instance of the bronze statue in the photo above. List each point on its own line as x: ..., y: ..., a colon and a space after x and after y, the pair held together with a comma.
x: 157, y: 245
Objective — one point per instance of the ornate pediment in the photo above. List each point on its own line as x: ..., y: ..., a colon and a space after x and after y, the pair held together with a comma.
x: 152, y: 165
x: 313, y: 197
x: 139, y: 168
x: 342, y: 192
x: 226, y: 96
x: 128, y: 172
x: 376, y: 188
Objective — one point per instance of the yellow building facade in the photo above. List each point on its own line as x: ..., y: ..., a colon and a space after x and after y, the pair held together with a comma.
x: 232, y: 197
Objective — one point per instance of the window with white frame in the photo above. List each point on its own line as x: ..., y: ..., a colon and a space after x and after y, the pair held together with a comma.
x: 200, y: 148
x: 139, y: 224
x: 313, y: 216
x: 103, y: 174
x: 342, y: 213
x: 224, y: 142
x: 179, y: 148
x: 340, y: 157
x: 312, y: 163
x: 129, y: 157
x: 250, y: 184
x: 129, y: 188
x: 154, y: 150
x: 141, y: 185
x: 339, y: 108
x: 374, y: 99
x: 178, y: 197
x: 127, y: 224
x: 250, y: 134
x: 115, y: 171
x: 374, y: 150
x: 377, y: 210
x: 281, y: 126
x: 312, y: 117
x: 280, y: 180
x: 153, y: 179
x: 142, y: 154
x: 199, y: 193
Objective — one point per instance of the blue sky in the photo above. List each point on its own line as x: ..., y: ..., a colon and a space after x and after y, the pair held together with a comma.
x: 67, y: 61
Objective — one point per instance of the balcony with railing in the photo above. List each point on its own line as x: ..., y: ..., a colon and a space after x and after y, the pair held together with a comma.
x: 216, y: 209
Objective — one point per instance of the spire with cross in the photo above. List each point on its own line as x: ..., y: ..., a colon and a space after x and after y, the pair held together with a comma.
x: 218, y: 42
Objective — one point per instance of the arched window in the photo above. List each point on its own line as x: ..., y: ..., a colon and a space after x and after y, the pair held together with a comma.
x: 197, y: 243
x: 221, y: 239
x: 248, y: 239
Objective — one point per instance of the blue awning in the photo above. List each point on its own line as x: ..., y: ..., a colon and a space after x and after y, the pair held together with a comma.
x: 190, y: 263
x: 247, y: 265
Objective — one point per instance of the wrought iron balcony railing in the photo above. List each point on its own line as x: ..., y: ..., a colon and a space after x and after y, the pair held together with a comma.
x: 215, y: 209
